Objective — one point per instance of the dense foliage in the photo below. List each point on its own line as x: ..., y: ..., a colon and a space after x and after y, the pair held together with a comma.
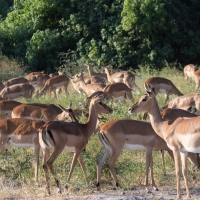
x: 127, y: 33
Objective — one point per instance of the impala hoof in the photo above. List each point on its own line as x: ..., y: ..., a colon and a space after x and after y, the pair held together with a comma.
x: 98, y: 186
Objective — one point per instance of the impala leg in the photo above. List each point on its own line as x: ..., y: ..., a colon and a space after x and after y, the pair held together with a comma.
x: 2, y: 148
x: 66, y: 88
x: 166, y: 97
x: 135, y: 86
x: 184, y: 171
x: 130, y: 85
x: 149, y: 164
x: 186, y: 78
x: 75, y: 157
x: 194, y: 158
x: 36, y: 153
x: 111, y: 164
x: 45, y: 154
x: 4, y: 145
x: 152, y: 176
x: 197, y: 85
x: 50, y: 92
x: 171, y: 155
x: 82, y: 164
x: 163, y: 161
x: 57, y: 151
x: 129, y: 96
x: 100, y: 162
x: 176, y: 153
x: 54, y: 92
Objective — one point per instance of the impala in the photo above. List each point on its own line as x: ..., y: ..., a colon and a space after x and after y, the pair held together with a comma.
x: 117, y: 135
x: 6, y: 107
x: 171, y: 114
x: 35, y: 112
x: 21, y: 133
x: 92, y: 73
x: 17, y: 91
x: 189, y: 71
x: 196, y: 78
x: 87, y: 88
x: 34, y: 73
x: 94, y: 79
x: 185, y: 102
x: 88, y: 80
x: 181, y: 135
x: 123, y: 76
x: 162, y: 85
x: 69, y: 136
x: 38, y: 81
x: 117, y: 91
x: 1, y: 86
x: 57, y: 82
x: 13, y: 81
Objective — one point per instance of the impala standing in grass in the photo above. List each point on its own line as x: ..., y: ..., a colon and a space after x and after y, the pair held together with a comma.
x: 68, y: 136
x: 181, y: 135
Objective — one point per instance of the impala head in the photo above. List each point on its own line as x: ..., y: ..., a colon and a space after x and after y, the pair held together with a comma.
x: 99, y: 106
x: 144, y: 104
x: 97, y: 93
x: 68, y: 112
x: 107, y: 67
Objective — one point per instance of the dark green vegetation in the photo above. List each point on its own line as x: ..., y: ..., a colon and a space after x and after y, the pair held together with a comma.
x: 127, y: 33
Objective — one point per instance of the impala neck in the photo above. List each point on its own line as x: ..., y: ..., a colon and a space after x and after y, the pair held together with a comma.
x: 90, y: 72
x: 156, y: 119
x: 61, y: 116
x: 92, y: 121
x: 83, y: 84
x: 108, y: 75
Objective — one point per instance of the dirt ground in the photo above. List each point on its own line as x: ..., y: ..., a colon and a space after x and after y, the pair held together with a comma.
x: 110, y: 194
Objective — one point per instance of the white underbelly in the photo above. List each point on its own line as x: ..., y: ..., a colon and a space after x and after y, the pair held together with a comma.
x: 188, y: 142
x: 119, y: 98
x: 21, y: 145
x: 162, y: 91
x: 118, y: 80
x: 134, y: 147
x: 67, y: 148
x: 191, y: 149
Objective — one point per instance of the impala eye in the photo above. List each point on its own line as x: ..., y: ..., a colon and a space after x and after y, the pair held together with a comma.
x: 100, y: 103
x: 144, y: 99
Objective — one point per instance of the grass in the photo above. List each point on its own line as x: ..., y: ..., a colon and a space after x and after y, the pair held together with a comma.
x: 17, y: 170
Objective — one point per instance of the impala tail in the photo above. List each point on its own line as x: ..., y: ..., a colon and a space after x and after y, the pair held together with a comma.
x: 46, y: 138
x: 105, y: 142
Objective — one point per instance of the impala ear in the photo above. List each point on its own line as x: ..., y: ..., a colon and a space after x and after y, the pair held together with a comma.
x: 150, y: 93
x: 98, y: 98
x: 147, y: 87
x: 63, y: 109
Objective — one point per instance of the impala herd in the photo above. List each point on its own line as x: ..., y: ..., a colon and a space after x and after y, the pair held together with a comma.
x: 172, y: 128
